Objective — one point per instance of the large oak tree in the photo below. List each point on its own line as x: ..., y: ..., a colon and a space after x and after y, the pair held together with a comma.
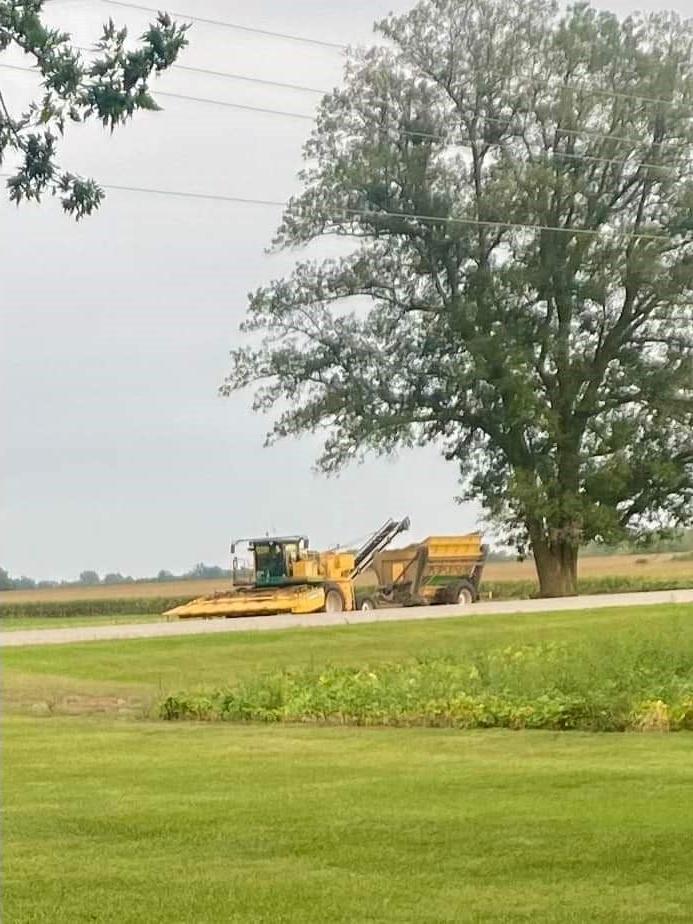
x: 110, y: 86
x: 514, y: 187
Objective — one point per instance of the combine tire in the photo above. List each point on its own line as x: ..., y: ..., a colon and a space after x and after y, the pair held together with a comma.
x: 368, y: 603
x: 334, y: 599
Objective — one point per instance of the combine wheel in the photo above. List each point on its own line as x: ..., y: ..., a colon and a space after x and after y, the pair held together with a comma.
x: 368, y: 603
x: 334, y: 599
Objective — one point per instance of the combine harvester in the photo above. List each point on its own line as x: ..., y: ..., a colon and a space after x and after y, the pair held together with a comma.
x: 290, y: 578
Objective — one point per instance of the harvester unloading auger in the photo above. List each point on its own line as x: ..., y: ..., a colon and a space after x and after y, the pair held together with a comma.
x: 291, y: 578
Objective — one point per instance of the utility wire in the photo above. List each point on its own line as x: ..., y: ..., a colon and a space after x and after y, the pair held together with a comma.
x: 227, y: 75
x: 247, y: 79
x: 589, y: 91
x: 569, y: 88
x: 340, y: 213
x: 576, y: 132
x: 555, y: 155
x: 244, y: 107
x: 476, y: 222
x: 187, y: 194
x: 315, y: 90
x: 19, y: 67
x: 233, y: 25
x: 403, y: 131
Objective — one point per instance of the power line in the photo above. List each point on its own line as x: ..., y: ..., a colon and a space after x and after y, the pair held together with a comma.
x: 340, y: 212
x: 323, y: 92
x: 589, y: 91
x: 184, y: 194
x: 408, y: 133
x: 247, y: 79
x: 615, y: 94
x: 234, y: 25
x: 569, y: 88
x: 200, y: 99
x: 187, y: 194
x: 577, y: 132
x: 573, y: 132
x: 242, y: 106
x: 19, y: 67
x: 556, y: 155
x: 245, y: 107
x: 476, y: 222
x: 368, y: 213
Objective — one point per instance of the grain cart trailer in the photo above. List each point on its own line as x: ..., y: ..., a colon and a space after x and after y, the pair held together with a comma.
x: 441, y: 569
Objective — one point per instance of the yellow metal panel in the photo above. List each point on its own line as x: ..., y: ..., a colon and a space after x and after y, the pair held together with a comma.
x: 305, y: 568
x: 467, y: 546
x: 347, y: 588
x: 310, y: 601
x: 335, y: 565
x: 264, y: 602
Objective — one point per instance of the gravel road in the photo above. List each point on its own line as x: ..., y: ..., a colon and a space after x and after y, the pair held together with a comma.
x: 66, y: 636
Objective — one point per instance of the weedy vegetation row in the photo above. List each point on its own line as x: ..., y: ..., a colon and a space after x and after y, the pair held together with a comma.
x: 640, y: 683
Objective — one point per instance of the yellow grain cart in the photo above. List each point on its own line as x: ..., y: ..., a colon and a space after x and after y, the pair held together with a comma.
x: 441, y: 569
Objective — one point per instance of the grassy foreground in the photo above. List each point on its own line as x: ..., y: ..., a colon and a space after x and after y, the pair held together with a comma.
x: 112, y: 817
x: 121, y: 823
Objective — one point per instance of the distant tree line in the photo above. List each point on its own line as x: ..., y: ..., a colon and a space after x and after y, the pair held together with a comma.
x: 90, y: 578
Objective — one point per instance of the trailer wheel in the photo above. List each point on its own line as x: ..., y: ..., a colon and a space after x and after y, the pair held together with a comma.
x: 465, y: 596
x: 368, y: 603
x: 334, y: 599
x: 463, y: 593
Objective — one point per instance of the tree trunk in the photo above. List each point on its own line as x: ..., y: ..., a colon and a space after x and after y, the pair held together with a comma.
x: 556, y: 564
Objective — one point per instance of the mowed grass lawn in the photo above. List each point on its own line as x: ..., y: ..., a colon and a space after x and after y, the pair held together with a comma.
x: 119, y: 822
x: 116, y: 818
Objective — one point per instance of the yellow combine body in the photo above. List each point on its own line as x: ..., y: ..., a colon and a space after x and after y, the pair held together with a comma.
x: 311, y: 582
x: 289, y: 578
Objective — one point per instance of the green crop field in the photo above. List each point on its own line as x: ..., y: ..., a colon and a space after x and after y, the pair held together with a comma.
x: 113, y: 815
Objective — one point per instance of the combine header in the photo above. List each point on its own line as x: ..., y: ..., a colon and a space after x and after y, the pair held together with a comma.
x: 290, y: 578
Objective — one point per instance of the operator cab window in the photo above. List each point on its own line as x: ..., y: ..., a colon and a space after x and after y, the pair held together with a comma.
x: 269, y: 562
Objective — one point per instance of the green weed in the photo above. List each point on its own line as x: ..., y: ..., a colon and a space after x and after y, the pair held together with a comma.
x: 640, y: 683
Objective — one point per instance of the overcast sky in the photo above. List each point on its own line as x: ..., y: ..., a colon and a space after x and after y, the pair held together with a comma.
x: 116, y: 452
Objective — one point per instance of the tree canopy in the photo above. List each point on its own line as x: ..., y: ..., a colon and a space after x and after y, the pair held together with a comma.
x: 510, y: 188
x: 111, y: 86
